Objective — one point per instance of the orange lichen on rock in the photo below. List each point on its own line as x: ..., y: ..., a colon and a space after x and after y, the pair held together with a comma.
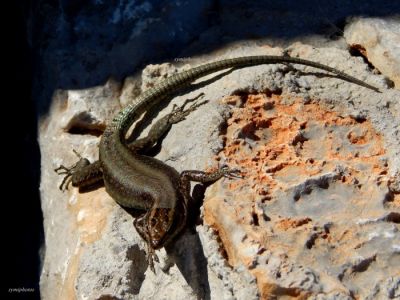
x: 308, y: 173
x: 287, y: 223
x: 296, y: 138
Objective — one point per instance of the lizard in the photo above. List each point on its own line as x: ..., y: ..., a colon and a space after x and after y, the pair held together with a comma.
x: 159, y: 192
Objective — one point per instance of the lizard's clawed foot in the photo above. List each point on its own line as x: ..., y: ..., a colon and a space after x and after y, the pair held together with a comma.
x: 151, y: 257
x: 207, y: 177
x: 69, y: 171
x: 62, y: 170
x: 230, y: 173
x: 179, y: 112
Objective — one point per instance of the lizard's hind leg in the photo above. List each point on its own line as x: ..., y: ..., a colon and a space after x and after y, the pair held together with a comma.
x: 157, y: 131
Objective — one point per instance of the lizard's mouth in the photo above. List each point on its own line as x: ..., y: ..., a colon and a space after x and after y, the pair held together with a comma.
x: 156, y: 244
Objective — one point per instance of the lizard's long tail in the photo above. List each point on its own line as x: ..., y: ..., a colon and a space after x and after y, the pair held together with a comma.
x: 129, y: 114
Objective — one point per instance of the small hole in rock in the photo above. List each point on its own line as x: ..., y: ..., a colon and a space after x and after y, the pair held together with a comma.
x: 255, y: 219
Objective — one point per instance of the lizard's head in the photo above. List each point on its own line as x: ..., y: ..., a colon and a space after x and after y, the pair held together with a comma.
x: 160, y: 225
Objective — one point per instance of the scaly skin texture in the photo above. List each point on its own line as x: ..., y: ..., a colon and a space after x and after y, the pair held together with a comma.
x: 144, y: 183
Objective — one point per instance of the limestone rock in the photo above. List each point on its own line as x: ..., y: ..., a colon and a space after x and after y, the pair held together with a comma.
x: 315, y: 216
x: 378, y: 40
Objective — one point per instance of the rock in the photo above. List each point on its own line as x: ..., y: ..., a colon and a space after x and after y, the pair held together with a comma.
x: 378, y: 40
x: 309, y: 214
x: 315, y: 216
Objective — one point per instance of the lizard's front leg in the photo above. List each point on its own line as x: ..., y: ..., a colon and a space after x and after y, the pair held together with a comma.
x: 82, y: 174
x: 141, y: 224
x: 203, y: 177
x: 207, y: 177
